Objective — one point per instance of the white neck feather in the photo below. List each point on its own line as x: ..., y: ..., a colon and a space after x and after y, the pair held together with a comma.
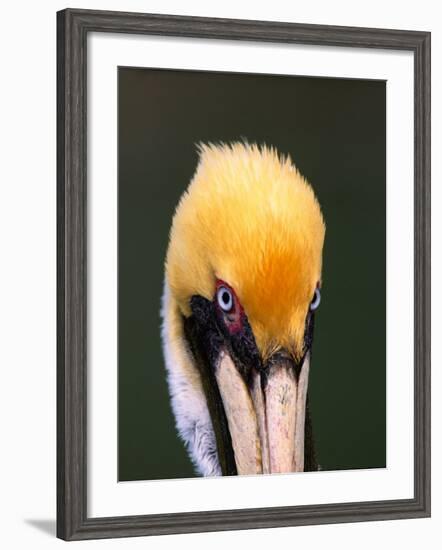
x: 188, y: 400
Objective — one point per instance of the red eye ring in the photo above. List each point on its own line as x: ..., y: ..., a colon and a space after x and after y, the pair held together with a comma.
x: 228, y: 306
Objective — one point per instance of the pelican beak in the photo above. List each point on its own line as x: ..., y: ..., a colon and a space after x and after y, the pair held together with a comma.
x: 265, y: 417
x: 258, y: 410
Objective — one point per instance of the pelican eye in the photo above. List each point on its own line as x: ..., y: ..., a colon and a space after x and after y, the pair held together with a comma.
x: 225, y: 298
x: 314, y: 304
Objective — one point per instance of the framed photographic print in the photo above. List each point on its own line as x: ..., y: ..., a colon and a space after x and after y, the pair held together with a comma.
x: 243, y: 274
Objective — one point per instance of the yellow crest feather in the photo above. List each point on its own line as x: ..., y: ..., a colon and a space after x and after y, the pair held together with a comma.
x: 250, y: 219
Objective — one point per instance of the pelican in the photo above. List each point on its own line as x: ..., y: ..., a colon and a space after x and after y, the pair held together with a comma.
x: 242, y: 285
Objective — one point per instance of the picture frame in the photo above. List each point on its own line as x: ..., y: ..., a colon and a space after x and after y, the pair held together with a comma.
x: 73, y: 28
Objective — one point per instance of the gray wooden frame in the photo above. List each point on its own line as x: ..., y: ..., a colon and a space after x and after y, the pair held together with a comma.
x: 73, y: 27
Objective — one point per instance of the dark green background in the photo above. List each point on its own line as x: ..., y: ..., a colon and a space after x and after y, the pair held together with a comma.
x: 334, y: 130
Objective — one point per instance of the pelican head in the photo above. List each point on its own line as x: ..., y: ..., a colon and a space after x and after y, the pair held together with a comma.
x: 242, y: 284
